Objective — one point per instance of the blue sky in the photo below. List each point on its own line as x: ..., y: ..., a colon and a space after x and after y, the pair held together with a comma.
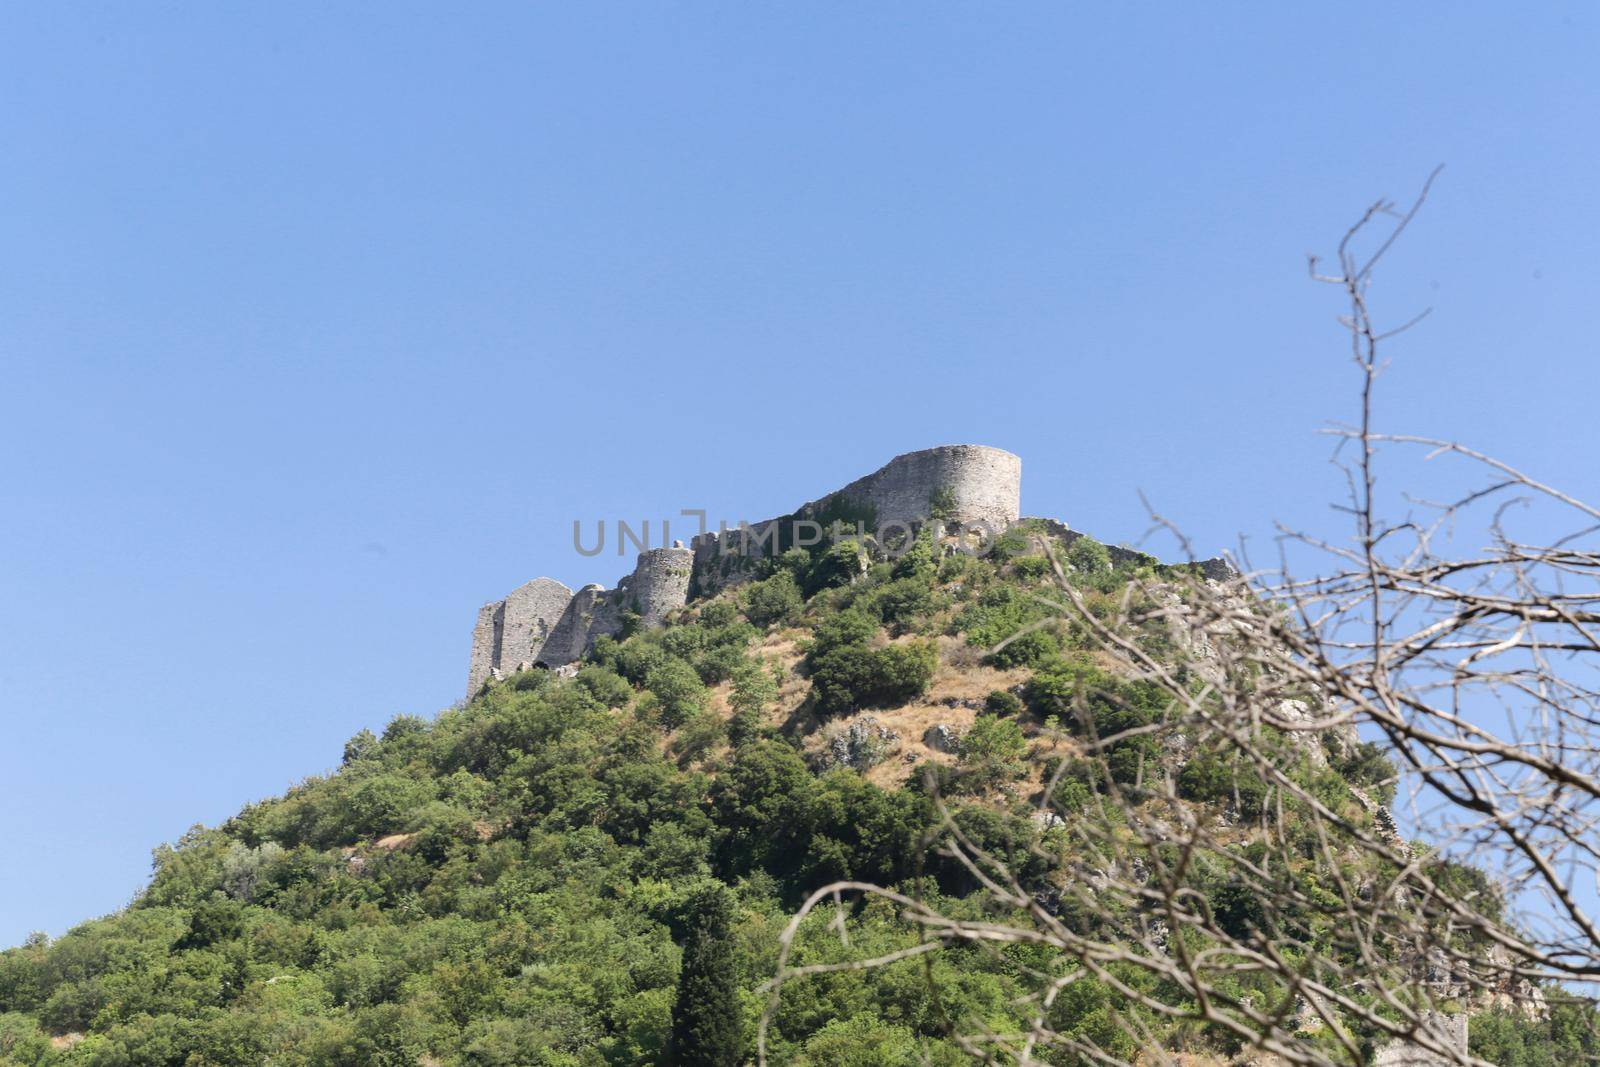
x: 319, y: 327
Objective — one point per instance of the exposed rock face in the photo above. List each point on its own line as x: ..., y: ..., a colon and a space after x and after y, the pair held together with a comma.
x: 942, y: 737
x: 1449, y: 1030
x: 860, y: 746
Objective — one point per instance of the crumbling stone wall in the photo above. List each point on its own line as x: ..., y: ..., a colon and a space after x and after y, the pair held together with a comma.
x: 964, y: 483
x: 510, y: 634
x: 1216, y: 569
x: 659, y: 583
x: 531, y: 613
x: 485, y: 645
x: 978, y: 484
x: 545, y: 623
x: 588, y: 615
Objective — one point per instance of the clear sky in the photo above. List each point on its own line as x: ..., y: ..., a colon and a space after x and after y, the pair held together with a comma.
x: 320, y: 324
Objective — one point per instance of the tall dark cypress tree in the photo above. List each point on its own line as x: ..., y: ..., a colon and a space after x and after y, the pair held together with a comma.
x: 706, y: 1028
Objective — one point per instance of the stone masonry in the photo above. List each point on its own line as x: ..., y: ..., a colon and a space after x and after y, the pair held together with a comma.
x: 983, y: 484
x: 967, y: 484
x: 543, y: 623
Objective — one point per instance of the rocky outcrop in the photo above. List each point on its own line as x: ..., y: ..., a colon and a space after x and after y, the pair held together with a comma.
x: 1448, y: 1030
x: 860, y: 746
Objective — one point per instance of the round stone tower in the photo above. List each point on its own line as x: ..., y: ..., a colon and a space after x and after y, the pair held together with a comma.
x: 965, y: 483
x: 659, y: 583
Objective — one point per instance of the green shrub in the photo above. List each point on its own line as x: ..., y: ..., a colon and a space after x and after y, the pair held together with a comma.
x: 991, y: 753
x: 852, y: 627
x: 921, y: 560
x: 840, y: 564
x: 212, y: 921
x: 685, y: 642
x: 853, y: 676
x: 1031, y: 568
x: 904, y: 671
x: 699, y: 735
x: 1002, y: 612
x: 606, y: 686
x: 1001, y: 702
x: 719, y: 664
x: 756, y: 801
x: 1209, y: 777
x: 774, y: 601
x: 635, y: 659
x: 1028, y: 650
x: 719, y: 613
x: 961, y: 565
x: 755, y: 686
x: 901, y: 601
x: 1058, y: 684
x: 1086, y: 556
x: 1010, y: 544
x: 529, y: 681
x: 1365, y: 765
x: 841, y: 678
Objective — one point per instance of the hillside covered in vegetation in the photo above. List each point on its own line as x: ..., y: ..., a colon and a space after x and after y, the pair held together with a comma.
x: 596, y: 869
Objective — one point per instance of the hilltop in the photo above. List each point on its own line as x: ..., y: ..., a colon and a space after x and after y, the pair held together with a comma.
x: 515, y: 881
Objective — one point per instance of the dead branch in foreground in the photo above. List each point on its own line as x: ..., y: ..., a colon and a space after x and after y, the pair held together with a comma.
x: 1233, y: 862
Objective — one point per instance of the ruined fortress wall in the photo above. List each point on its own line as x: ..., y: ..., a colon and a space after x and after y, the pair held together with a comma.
x: 659, y: 583
x: 982, y: 484
x: 979, y: 484
x: 531, y: 613
x: 544, y: 622
x: 1216, y: 569
x: 485, y: 645
x: 510, y: 634
x: 573, y: 633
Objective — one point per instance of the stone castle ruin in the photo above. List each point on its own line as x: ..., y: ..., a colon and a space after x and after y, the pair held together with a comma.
x: 543, y: 623
x: 968, y: 488
x: 971, y: 489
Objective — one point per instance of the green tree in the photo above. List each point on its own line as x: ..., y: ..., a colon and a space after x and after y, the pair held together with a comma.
x: 774, y: 601
x: 679, y: 689
x: 706, y: 1027
x: 1089, y: 557
x: 992, y: 752
x: 755, y: 687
